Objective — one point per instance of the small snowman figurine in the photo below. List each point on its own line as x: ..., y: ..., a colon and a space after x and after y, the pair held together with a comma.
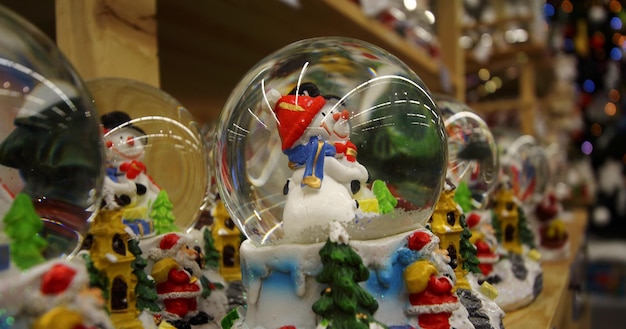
x: 315, y: 132
x: 127, y: 183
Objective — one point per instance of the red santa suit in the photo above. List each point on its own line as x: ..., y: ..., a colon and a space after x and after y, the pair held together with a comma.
x: 176, y: 287
x: 431, y: 295
x: 485, y: 251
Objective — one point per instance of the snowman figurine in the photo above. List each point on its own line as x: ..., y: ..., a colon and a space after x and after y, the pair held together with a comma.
x: 127, y: 184
x: 315, y: 132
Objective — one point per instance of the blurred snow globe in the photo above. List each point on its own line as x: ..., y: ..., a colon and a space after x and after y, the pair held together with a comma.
x: 473, y: 159
x: 526, y: 167
x: 51, y: 152
x: 156, y: 157
x: 329, y: 129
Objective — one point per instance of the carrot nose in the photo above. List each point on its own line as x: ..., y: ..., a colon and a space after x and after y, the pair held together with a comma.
x: 130, y: 141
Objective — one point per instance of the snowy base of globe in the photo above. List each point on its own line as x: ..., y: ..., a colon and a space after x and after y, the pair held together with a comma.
x: 281, y: 286
x: 555, y: 254
x: 515, y: 292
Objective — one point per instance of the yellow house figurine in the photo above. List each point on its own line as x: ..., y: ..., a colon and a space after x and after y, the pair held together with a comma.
x: 446, y: 225
x: 108, y: 249
x: 506, y: 220
x: 227, y: 239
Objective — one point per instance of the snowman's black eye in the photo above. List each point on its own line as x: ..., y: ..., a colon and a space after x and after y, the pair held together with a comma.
x: 323, y: 114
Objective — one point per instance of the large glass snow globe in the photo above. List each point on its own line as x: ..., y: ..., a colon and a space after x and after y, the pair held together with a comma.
x: 329, y: 129
x: 156, y: 156
x: 473, y: 159
x: 50, y: 143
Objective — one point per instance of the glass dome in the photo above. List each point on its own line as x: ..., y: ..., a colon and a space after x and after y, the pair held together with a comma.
x: 472, y: 151
x: 289, y: 134
x: 153, y: 141
x: 525, y: 165
x: 50, y: 142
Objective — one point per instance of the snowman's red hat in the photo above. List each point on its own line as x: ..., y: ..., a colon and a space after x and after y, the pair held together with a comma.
x: 294, y: 114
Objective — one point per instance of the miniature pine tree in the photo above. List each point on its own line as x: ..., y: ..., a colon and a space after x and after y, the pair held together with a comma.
x: 162, y: 215
x: 526, y: 235
x: 463, y: 197
x: 468, y: 251
x: 212, y: 256
x: 386, y: 201
x: 22, y: 225
x: 97, y: 278
x: 145, y: 290
x: 344, y: 304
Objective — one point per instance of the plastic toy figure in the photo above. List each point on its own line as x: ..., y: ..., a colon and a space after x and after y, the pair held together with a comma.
x: 430, y: 282
x: 310, y: 126
x: 177, y: 273
x: 127, y: 183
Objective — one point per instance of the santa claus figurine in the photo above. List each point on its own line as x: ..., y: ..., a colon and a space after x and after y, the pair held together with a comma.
x: 63, y: 299
x: 484, y: 239
x: 430, y: 283
x: 176, y: 273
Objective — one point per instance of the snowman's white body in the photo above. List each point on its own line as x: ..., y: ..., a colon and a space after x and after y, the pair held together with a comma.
x: 307, y: 207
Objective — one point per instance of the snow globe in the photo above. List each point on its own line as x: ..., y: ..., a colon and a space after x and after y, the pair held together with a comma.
x: 331, y: 155
x: 461, y: 220
x: 156, y: 185
x: 51, y: 172
x: 531, y: 176
x: 51, y: 153
x: 155, y: 156
x: 523, y: 177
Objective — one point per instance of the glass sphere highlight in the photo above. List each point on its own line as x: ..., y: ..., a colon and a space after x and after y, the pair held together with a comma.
x: 329, y: 129
x: 50, y: 143
x: 526, y: 167
x: 154, y: 143
x: 472, y: 152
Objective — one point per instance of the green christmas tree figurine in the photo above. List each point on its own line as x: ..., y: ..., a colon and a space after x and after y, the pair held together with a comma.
x: 344, y: 304
x: 463, y: 196
x: 161, y: 214
x: 211, y: 255
x: 22, y: 225
x: 468, y: 251
x: 145, y: 290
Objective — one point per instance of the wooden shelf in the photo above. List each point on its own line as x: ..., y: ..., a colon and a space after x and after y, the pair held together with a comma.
x: 205, y: 47
x: 552, y: 308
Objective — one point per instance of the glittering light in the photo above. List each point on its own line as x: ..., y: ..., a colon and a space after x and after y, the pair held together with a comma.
x: 596, y: 129
x: 484, y: 74
x: 615, y: 6
x: 616, y: 53
x: 490, y: 86
x: 616, y: 23
x: 610, y: 109
x: 589, y: 86
x: 567, y: 6
x: 586, y: 147
x: 497, y: 81
x: 614, y: 95
x: 548, y: 10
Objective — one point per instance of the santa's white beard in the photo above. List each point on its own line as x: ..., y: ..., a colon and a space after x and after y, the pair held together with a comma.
x: 188, y: 262
x: 442, y: 263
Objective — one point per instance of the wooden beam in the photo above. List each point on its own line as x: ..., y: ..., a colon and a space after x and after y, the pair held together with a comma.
x: 110, y: 38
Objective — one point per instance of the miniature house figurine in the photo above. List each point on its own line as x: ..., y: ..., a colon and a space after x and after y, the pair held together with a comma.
x: 506, y: 220
x: 227, y: 239
x: 108, y: 248
x: 445, y: 223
